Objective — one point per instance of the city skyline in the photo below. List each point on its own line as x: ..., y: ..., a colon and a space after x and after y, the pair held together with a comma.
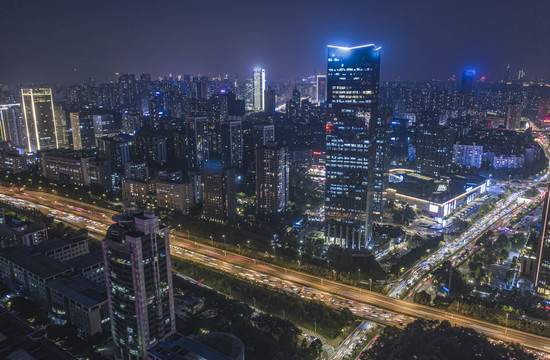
x: 99, y: 39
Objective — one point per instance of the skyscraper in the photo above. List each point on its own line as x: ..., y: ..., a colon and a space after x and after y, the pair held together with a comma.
x: 513, y: 116
x: 39, y: 115
x: 138, y: 275
x: 352, y: 109
x: 232, y: 143
x: 269, y: 101
x: 544, y: 112
x: 434, y: 150
x: 197, y: 142
x: 258, y: 91
x: 271, y: 179
x: 219, y: 197
x: 82, y: 129
x: 263, y: 134
x: 12, y: 128
x: 542, y: 277
x: 468, y: 80
x: 321, y: 88
x: 382, y: 151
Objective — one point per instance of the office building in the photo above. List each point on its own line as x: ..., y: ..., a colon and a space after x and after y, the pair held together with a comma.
x: 321, y: 89
x: 74, y: 168
x: 542, y: 276
x: 352, y: 109
x: 468, y: 81
x: 434, y: 150
x: 80, y: 303
x: 232, y: 143
x: 219, y: 198
x: 258, y: 91
x: 82, y: 130
x: 271, y: 179
x: 381, y: 164
x: 513, y: 116
x: 138, y: 278
x: 39, y: 115
x: 12, y: 162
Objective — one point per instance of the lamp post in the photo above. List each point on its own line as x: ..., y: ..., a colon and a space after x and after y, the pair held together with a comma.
x: 370, y: 282
x: 239, y: 245
x: 223, y: 238
x: 212, y: 238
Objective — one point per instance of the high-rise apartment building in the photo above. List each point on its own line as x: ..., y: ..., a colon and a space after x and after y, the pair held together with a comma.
x: 232, y: 143
x: 197, y: 142
x: 542, y: 277
x: 271, y: 179
x: 82, y: 130
x: 258, y: 91
x: 12, y: 127
x: 263, y: 134
x: 353, y: 77
x: 270, y: 98
x: 138, y: 278
x: 219, y: 197
x: 513, y: 116
x: 39, y: 115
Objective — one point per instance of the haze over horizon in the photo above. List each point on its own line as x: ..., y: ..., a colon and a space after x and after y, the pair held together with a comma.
x: 288, y: 39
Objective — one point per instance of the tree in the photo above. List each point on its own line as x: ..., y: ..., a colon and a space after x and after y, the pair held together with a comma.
x: 422, y: 298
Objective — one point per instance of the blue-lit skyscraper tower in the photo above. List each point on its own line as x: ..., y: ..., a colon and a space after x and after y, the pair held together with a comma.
x: 353, y: 77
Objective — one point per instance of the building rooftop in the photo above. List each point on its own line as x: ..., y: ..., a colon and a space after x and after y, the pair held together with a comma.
x: 37, y: 263
x: 440, y: 190
x: 90, y: 259
x: 17, y: 342
x: 213, y: 346
x: 51, y: 245
x: 81, y: 290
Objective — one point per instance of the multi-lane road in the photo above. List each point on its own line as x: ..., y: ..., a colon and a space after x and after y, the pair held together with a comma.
x: 98, y: 219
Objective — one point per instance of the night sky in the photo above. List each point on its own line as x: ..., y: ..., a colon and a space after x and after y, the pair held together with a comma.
x: 43, y: 41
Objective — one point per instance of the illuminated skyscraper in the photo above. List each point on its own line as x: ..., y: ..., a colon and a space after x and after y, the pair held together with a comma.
x: 321, y: 88
x: 39, y: 115
x: 258, y: 92
x: 138, y: 275
x: 542, y: 277
x: 352, y: 110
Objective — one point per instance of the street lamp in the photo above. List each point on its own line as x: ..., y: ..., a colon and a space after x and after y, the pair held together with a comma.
x: 223, y: 238
x: 211, y: 238
x: 370, y: 281
x: 239, y: 245
x: 359, y: 276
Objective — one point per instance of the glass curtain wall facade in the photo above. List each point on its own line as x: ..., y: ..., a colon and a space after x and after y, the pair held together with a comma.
x: 353, y: 77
